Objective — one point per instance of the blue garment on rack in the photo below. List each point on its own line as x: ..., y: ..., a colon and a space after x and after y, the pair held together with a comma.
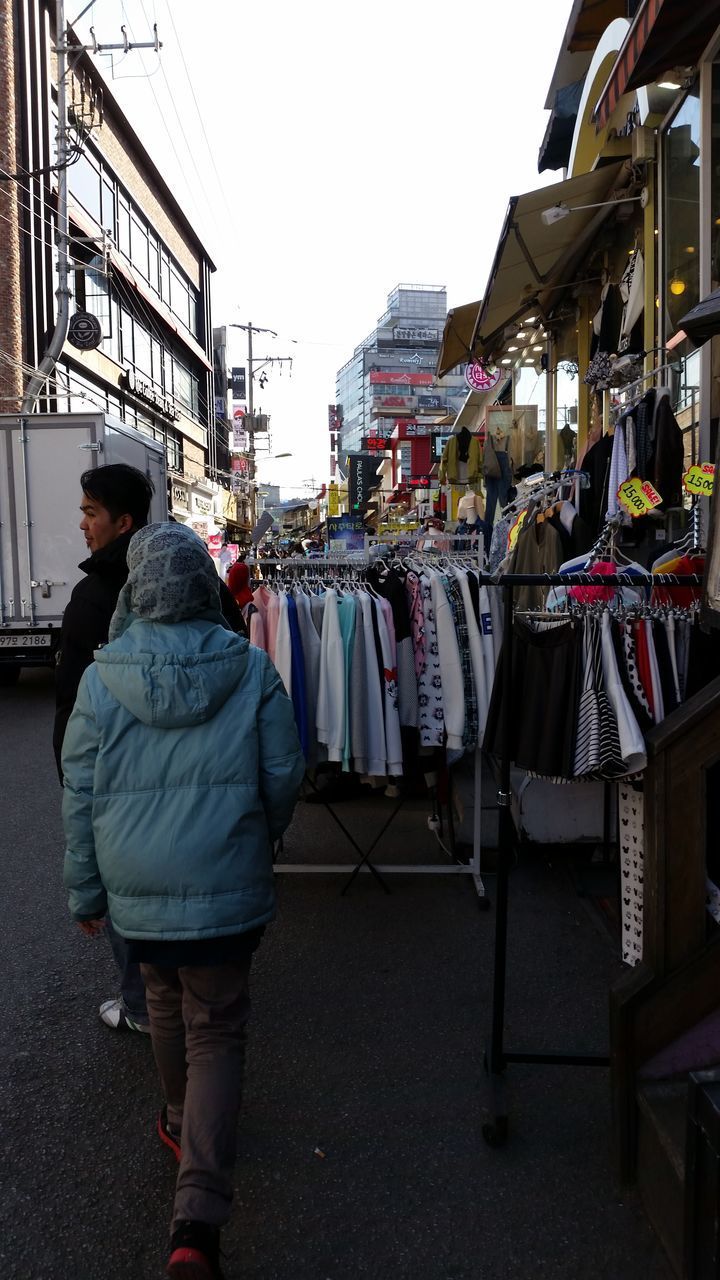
x: 299, y: 698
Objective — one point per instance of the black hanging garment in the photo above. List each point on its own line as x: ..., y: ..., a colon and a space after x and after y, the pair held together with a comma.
x: 544, y: 699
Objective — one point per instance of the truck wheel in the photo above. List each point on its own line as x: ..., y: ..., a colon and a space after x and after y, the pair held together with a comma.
x: 9, y: 675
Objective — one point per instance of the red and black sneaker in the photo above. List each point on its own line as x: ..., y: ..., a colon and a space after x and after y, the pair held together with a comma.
x: 195, y: 1252
x: 168, y: 1136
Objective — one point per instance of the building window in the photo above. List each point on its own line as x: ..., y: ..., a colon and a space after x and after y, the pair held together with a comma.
x: 139, y: 247
x: 84, y: 184
x: 124, y: 227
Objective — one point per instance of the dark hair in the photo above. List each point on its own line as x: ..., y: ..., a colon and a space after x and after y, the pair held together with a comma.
x: 121, y: 489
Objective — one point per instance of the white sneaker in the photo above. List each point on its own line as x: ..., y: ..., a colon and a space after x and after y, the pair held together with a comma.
x: 114, y: 1014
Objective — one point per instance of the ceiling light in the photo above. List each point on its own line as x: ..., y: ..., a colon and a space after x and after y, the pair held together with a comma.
x: 506, y: 361
x: 677, y: 286
x: 669, y: 84
x: 690, y: 248
x: 512, y: 348
x: 529, y: 362
x: 530, y: 320
x: 522, y: 334
x: 540, y: 348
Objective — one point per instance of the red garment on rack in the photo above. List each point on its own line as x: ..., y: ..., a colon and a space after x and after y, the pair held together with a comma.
x: 683, y: 596
x: 590, y: 595
x: 643, y: 661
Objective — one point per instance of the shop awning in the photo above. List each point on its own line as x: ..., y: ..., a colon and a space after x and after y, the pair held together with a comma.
x: 457, y: 336
x: 665, y: 34
x: 533, y: 259
x: 556, y: 146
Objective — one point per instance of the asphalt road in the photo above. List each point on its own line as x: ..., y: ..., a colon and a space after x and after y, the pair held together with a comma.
x: 369, y: 1013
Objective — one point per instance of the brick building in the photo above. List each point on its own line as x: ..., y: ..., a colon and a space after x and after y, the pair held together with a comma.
x: 137, y: 264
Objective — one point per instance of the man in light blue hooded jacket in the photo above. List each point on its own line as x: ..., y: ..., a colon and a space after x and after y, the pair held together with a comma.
x: 182, y: 764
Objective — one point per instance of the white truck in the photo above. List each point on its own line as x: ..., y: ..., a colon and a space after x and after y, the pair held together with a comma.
x: 42, y: 457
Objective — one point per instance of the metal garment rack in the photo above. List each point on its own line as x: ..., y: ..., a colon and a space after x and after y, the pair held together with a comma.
x: 497, y: 1057
x: 314, y: 569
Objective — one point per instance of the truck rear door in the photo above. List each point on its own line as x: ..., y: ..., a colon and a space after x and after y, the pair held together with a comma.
x: 41, y: 461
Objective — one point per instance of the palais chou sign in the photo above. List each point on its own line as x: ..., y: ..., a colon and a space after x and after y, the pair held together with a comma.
x: 390, y: 379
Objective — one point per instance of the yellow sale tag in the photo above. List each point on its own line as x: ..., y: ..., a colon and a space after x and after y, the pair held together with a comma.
x: 699, y: 480
x: 515, y: 529
x: 637, y: 497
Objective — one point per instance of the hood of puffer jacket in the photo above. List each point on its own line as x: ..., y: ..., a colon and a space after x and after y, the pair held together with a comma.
x: 171, y: 675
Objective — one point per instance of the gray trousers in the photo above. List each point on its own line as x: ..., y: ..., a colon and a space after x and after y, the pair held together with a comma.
x: 198, y: 1018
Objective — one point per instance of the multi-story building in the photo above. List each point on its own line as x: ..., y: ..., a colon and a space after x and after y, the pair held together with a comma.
x: 137, y: 265
x: 389, y: 388
x: 392, y: 372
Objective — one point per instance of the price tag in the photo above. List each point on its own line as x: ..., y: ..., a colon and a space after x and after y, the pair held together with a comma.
x: 515, y: 529
x: 699, y: 480
x: 637, y: 497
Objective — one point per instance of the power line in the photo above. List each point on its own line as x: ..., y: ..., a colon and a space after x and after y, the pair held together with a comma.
x: 182, y: 131
x: 199, y: 115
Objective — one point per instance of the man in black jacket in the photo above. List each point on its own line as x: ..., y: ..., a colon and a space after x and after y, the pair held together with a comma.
x: 115, y: 504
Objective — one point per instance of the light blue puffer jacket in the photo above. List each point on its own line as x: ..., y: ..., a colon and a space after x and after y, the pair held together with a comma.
x: 181, y: 764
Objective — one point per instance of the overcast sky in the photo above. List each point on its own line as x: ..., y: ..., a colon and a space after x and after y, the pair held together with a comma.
x: 351, y: 149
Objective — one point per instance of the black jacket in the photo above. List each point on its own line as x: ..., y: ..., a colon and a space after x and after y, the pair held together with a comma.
x: 86, y: 623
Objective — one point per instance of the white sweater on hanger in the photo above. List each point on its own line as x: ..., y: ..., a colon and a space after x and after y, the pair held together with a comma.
x: 283, y: 650
x: 477, y: 658
x: 632, y: 743
x: 330, y: 715
x: 450, y: 667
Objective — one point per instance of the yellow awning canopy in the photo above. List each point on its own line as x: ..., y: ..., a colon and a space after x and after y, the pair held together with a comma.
x: 533, y: 260
x: 457, y: 337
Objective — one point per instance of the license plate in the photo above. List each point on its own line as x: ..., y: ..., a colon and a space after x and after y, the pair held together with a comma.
x: 18, y: 640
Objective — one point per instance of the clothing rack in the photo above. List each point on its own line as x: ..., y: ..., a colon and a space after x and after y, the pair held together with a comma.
x: 315, y: 569
x: 497, y: 1057
x: 545, y: 484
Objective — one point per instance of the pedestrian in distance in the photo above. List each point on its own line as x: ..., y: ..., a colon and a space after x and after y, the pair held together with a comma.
x: 182, y: 765
x: 115, y: 503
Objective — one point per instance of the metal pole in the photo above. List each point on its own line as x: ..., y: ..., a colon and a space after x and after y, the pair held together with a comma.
x: 251, y: 431
x: 55, y: 346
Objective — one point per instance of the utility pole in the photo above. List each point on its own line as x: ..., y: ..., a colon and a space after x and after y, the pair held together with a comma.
x: 62, y: 293
x: 62, y: 234
x: 250, y: 329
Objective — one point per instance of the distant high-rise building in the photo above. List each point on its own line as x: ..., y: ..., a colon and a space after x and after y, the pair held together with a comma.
x: 391, y: 374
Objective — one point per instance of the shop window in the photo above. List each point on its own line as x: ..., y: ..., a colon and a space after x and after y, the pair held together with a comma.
x: 681, y: 222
